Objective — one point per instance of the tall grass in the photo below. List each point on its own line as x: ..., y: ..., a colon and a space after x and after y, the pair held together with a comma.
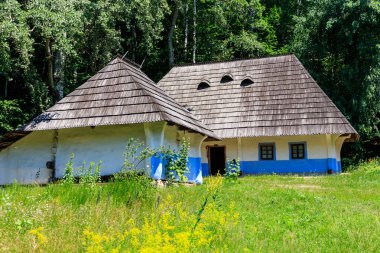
x: 369, y: 166
x: 257, y: 214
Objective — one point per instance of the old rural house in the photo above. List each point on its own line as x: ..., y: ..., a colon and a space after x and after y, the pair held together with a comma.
x: 95, y: 121
x: 267, y: 112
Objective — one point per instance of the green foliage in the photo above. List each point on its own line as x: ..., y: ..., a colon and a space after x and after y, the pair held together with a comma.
x: 68, y: 177
x: 371, y: 166
x: 176, y: 167
x: 11, y: 115
x: 276, y: 213
x: 15, y: 41
x: 130, y: 187
x: 23, y: 225
x: 48, y: 46
x: 86, y: 175
x: 90, y: 175
x: 339, y: 43
x: 135, y: 155
x: 232, y: 169
x: 55, y: 20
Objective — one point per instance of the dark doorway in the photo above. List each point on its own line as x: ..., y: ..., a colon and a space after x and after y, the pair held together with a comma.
x: 217, y: 160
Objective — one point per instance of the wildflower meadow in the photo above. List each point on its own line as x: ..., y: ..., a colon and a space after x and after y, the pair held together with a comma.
x: 130, y: 213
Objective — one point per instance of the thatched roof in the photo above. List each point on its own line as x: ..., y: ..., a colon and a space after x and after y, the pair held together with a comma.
x: 118, y: 94
x: 282, y: 100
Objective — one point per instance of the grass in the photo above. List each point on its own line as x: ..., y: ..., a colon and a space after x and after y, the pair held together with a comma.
x: 276, y: 214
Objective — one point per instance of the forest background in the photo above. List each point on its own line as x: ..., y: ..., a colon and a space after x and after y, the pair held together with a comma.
x: 50, y: 47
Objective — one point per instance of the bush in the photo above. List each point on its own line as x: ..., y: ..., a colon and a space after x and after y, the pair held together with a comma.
x: 136, y: 153
x: 68, y: 177
x: 176, y: 167
x: 232, y: 169
x: 90, y: 175
x: 369, y: 166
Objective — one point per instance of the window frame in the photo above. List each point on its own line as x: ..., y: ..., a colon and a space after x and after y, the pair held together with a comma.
x: 291, y: 150
x: 274, y: 151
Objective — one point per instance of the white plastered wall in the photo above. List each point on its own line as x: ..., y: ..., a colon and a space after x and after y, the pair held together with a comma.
x: 102, y: 143
x: 231, y: 146
x: 318, y: 147
x: 25, y: 160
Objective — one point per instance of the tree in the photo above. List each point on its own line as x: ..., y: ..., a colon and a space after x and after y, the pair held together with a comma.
x: 339, y: 43
x: 171, y: 32
x: 55, y: 25
x: 11, y: 115
x: 15, y: 43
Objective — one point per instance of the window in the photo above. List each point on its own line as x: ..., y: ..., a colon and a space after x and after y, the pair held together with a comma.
x: 297, y: 151
x: 226, y: 78
x: 267, y: 151
x: 203, y: 85
x: 246, y: 82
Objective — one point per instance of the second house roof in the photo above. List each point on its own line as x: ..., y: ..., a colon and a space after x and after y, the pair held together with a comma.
x: 270, y: 96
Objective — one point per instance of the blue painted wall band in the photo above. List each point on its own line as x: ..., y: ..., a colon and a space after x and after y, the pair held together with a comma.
x: 304, y: 166
x: 158, y: 167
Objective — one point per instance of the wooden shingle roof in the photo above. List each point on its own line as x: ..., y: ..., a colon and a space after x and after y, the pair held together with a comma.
x: 118, y: 94
x: 283, y: 99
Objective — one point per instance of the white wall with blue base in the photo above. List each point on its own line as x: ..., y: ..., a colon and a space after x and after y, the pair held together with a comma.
x: 322, y: 154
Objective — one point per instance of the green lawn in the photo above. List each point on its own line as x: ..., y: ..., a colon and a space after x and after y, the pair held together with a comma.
x: 276, y: 214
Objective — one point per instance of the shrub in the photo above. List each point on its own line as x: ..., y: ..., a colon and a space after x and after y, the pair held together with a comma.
x: 232, y: 169
x: 135, y: 153
x: 176, y: 167
x: 90, y: 175
x: 68, y: 177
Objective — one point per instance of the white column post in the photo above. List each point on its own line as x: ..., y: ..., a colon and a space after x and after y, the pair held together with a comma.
x: 331, y: 152
x: 195, y: 155
x: 240, y: 153
x: 154, y: 138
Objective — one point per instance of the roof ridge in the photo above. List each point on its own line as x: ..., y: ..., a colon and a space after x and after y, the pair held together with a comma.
x: 126, y: 60
x: 232, y: 60
x: 147, y: 93
x: 159, y: 107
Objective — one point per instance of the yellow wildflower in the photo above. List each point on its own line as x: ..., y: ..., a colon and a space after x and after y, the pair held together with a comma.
x: 41, y: 239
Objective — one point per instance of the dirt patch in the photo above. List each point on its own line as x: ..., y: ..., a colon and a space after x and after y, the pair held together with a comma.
x: 301, y: 186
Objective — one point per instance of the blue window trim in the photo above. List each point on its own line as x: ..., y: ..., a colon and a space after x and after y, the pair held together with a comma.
x: 290, y: 150
x: 274, y: 151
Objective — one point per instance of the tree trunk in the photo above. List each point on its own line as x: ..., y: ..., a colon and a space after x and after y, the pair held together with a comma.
x: 134, y: 42
x: 299, y: 3
x: 195, y: 31
x: 59, y: 72
x: 50, y: 69
x: 171, y: 33
x: 186, y: 27
x: 6, y: 86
